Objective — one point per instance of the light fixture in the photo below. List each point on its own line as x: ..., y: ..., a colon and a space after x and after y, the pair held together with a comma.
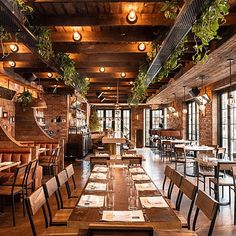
x: 14, y: 47
x: 132, y: 17
x: 39, y: 102
x: 50, y: 75
x: 202, y: 107
x: 103, y: 99
x: 123, y: 74
x: 141, y: 47
x: 77, y: 36
x: 102, y: 69
x: 108, y: 87
x: 12, y: 63
x: 131, y: 82
x: 100, y: 94
x: 184, y: 110
x: 230, y: 95
x: 87, y: 79
x: 176, y: 114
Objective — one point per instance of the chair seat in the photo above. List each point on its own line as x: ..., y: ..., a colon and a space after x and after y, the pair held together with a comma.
x: 76, y: 193
x: 61, y: 217
x: 59, y: 230
x: 182, y: 218
x: 174, y: 233
x: 70, y: 203
x: 7, y: 190
x: 227, y: 181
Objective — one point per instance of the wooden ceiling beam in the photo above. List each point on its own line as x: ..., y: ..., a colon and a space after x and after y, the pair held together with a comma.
x: 86, y: 1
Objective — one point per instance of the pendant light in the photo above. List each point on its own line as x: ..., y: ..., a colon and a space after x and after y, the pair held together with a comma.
x: 230, y: 95
x: 184, y: 110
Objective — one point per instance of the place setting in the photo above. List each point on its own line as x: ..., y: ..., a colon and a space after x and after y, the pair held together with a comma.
x: 94, y: 186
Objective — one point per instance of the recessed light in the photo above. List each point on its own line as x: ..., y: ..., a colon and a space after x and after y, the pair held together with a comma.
x: 50, y: 75
x: 123, y: 74
x: 108, y: 87
x: 12, y: 63
x: 132, y: 17
x: 14, y: 47
x: 77, y: 36
x: 102, y: 69
x: 131, y: 82
x: 141, y: 47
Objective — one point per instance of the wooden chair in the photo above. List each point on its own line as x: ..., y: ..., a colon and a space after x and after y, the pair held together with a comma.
x: 135, y: 160
x: 62, y: 215
x: 121, y: 230
x: 220, y: 152
x: 62, y: 180
x: 95, y: 160
x: 222, y: 180
x: 234, y: 178
x: 166, y: 150
x: 75, y: 193
x: 17, y: 187
x: 209, y: 207
x: 190, y: 191
x: 36, y: 201
x: 182, y: 158
x: 168, y: 171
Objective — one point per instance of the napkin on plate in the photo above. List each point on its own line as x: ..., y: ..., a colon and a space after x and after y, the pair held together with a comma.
x: 136, y: 170
x: 96, y: 186
x: 149, y: 202
x: 100, y: 168
x: 145, y: 187
x: 140, y: 177
x: 123, y: 216
x: 98, y: 176
x: 91, y: 201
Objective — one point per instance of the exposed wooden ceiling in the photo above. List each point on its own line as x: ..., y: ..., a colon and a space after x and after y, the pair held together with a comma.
x: 108, y: 41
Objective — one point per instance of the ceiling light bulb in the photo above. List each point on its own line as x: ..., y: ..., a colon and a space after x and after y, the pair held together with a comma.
x: 123, y: 74
x: 131, y: 82
x: 141, y: 47
x: 14, y: 47
x: 50, y: 75
x: 77, y: 36
x: 102, y: 69
x: 132, y: 17
x: 185, y: 111
x: 12, y: 63
x: 108, y: 88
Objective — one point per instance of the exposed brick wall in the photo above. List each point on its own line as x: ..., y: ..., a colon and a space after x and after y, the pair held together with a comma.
x: 9, y: 107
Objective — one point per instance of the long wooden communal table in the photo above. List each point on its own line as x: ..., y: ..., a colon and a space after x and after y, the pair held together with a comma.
x: 159, y: 218
x: 111, y: 142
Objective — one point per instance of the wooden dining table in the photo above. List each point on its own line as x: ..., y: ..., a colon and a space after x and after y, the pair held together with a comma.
x: 157, y: 217
x: 112, y: 141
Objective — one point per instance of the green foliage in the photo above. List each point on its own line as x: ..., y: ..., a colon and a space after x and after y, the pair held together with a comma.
x: 207, y: 26
x: 4, y: 36
x: 171, y: 8
x: 44, y: 43
x: 153, y: 51
x: 24, y: 98
x: 24, y: 8
x: 81, y: 84
x: 94, y: 121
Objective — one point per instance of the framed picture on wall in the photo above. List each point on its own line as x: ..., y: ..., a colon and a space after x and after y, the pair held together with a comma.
x: 5, y: 114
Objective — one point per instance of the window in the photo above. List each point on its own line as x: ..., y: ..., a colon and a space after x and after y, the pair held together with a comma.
x: 118, y: 120
x: 192, y: 121
x: 227, y: 124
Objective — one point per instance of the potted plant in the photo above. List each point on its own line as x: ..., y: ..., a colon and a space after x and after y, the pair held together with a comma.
x: 24, y: 98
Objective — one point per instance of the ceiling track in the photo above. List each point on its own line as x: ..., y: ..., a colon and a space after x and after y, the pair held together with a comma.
x: 12, y: 20
x: 183, y: 24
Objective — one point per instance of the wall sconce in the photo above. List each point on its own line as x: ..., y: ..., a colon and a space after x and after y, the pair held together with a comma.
x: 137, y: 117
x: 12, y: 64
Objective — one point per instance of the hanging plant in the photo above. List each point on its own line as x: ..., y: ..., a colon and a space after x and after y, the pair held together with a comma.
x: 81, y: 84
x: 206, y: 28
x: 44, y: 43
x: 4, y: 36
x: 151, y: 54
x: 24, y: 8
x: 94, y: 124
x: 24, y: 98
x: 171, y: 8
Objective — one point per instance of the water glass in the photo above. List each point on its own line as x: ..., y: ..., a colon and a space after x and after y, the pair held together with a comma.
x: 110, y: 185
x: 132, y: 203
x: 110, y: 200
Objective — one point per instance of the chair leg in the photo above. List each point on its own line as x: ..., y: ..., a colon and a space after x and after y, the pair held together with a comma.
x: 13, y: 210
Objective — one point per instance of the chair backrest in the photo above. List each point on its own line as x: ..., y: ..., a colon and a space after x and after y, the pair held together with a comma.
x: 121, y: 230
x: 166, y: 143
x: 226, y: 165
x: 51, y: 187
x: 33, y: 203
x: 176, y: 178
x: 208, y: 206
x: 62, y: 178
x: 168, y: 171
x: 21, y: 172
x: 70, y: 171
x: 179, y: 152
x: 98, y: 160
x: 31, y: 170
x: 220, y: 152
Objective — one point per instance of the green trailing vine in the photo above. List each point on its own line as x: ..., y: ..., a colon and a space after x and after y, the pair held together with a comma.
x: 44, y: 43
x: 171, y: 8
x: 24, y: 98
x: 207, y: 26
x: 24, y: 8
x: 151, y: 54
x: 4, y: 36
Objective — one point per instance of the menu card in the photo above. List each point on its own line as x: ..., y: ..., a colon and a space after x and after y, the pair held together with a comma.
x: 91, y: 201
x: 145, y: 187
x: 96, y: 186
x: 149, y: 202
x: 123, y: 216
x: 98, y: 176
x: 140, y: 177
x: 100, y: 168
x: 136, y: 170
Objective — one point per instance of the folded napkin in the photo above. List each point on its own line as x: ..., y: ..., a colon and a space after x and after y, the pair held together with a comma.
x: 123, y: 216
x: 98, y: 176
x: 136, y: 170
x: 100, y: 168
x: 149, y: 202
x: 96, y: 186
x: 140, y: 177
x: 91, y: 201
x: 145, y: 187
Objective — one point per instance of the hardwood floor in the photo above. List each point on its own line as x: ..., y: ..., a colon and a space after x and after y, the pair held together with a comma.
x: 155, y: 168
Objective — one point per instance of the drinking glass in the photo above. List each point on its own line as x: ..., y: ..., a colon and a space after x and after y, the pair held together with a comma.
x: 132, y: 203
x: 110, y: 199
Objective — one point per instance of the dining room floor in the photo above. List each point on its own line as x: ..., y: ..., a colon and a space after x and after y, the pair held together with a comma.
x: 154, y: 167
